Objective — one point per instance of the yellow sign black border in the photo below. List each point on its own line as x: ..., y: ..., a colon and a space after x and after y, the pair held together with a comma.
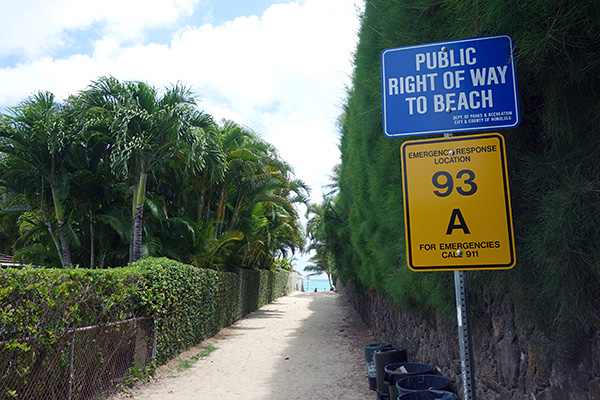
x: 506, y: 193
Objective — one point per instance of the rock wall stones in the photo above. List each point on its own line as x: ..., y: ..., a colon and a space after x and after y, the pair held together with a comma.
x: 509, y: 364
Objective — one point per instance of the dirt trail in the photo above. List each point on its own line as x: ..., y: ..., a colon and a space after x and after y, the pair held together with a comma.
x: 304, y: 346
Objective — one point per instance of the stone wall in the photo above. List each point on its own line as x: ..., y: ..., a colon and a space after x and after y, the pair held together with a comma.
x: 507, y: 364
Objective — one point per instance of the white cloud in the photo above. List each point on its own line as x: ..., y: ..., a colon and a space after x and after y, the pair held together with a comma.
x: 31, y: 28
x: 282, y: 74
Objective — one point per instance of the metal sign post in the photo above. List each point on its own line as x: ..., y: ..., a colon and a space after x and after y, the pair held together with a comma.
x: 464, y: 334
x: 463, y: 316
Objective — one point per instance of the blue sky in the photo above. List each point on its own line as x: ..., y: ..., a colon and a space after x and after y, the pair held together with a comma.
x: 219, y: 12
x: 280, y: 67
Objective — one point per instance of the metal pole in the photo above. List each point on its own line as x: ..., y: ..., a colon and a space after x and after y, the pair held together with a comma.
x: 464, y: 334
x: 464, y: 331
x: 71, y: 358
x: 154, y: 337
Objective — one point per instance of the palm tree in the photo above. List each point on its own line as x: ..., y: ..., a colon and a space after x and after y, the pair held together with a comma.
x: 321, y: 264
x: 96, y: 202
x: 217, y: 194
x: 147, y: 130
x: 322, y: 258
x: 35, y: 139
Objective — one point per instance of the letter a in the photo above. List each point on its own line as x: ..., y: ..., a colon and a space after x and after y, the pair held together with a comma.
x: 456, y: 214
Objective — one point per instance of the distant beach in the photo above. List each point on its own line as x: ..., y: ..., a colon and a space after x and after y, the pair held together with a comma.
x: 322, y: 285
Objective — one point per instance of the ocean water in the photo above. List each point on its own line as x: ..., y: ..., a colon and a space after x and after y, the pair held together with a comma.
x: 321, y: 285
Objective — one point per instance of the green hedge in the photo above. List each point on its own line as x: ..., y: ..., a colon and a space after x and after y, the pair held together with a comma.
x: 552, y: 158
x: 44, y: 303
x: 191, y: 304
x: 188, y: 304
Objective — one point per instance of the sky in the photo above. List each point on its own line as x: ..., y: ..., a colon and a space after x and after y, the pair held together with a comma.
x: 281, y: 68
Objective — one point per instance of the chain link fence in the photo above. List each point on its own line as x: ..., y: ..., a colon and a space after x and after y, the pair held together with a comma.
x: 83, y: 363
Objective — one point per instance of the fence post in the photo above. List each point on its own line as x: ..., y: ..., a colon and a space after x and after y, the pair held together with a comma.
x: 71, y: 358
x: 153, y: 340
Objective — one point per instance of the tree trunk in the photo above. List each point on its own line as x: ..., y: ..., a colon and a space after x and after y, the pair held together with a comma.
x: 65, y: 250
x: 136, y: 248
x: 220, y: 211
x: 200, y: 207
x: 92, y: 242
x: 236, y: 212
x: 138, y: 219
x: 54, y: 238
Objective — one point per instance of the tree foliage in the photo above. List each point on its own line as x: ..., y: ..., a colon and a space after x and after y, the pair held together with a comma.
x: 124, y: 170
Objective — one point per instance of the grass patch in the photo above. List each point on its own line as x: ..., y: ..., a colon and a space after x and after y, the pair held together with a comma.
x: 185, y: 364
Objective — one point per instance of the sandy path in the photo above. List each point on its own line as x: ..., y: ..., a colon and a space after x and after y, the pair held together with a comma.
x: 305, y: 346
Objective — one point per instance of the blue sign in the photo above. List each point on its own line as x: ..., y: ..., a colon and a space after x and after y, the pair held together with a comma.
x: 456, y: 86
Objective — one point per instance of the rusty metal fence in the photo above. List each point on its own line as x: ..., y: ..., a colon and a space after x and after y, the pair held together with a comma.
x: 84, y: 363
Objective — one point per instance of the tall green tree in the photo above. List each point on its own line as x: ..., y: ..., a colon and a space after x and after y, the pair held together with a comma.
x: 147, y: 129
x: 217, y: 196
x: 255, y: 193
x: 36, y: 138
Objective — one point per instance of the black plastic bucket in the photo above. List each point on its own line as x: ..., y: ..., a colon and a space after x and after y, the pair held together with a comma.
x: 382, y: 358
x: 422, y: 382
x: 428, y: 395
x: 396, y: 371
x: 371, y: 373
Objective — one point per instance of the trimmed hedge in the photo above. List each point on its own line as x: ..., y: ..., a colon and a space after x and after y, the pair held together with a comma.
x: 44, y: 303
x: 552, y: 160
x: 188, y: 304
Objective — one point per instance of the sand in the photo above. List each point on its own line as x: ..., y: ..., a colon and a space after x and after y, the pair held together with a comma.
x: 305, y: 346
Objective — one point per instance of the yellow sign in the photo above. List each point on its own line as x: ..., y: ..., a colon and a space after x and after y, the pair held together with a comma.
x: 457, y: 204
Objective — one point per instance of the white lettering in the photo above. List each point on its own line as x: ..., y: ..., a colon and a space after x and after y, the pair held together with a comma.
x: 478, y: 76
x: 466, y: 100
x: 470, y: 56
x: 410, y: 84
x: 421, y: 104
x: 410, y: 104
x: 472, y: 102
x: 445, y: 59
x: 420, y: 59
x: 483, y: 76
x: 421, y: 83
x: 458, y: 77
x: 492, y: 77
x: 453, y: 79
x: 448, y: 80
x: 450, y: 100
x: 486, y: 100
x: 462, y: 101
x: 438, y: 103
x: 502, y: 72
x: 431, y: 61
x: 456, y: 63
x: 393, y: 85
x: 431, y: 80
